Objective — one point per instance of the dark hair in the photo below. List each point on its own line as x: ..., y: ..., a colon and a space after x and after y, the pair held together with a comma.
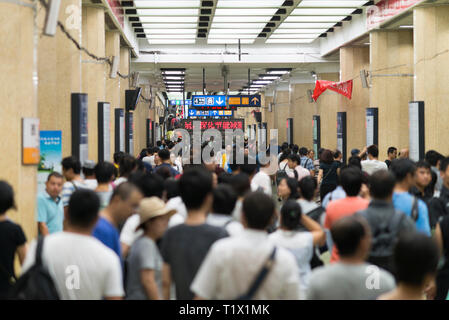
x: 284, y: 155
x: 391, y: 150
x: 295, y: 149
x: 225, y: 178
x: 158, y: 143
x: 83, y: 208
x: 337, y: 153
x: 171, y: 145
x: 247, y: 167
x: 351, y: 181
x: 127, y: 165
x: 54, y: 174
x: 194, y: 186
x: 164, y: 172
x: 382, y: 183
x: 327, y: 156
x: 284, y: 146
x: 71, y: 163
x: 290, y: 215
x: 444, y: 163
x: 292, y: 184
x: 104, y: 172
x: 423, y: 164
x: 355, y: 161
x: 149, y: 184
x: 164, y: 154
x: 307, y: 187
x: 171, y: 187
x: 258, y: 209
x: 224, y: 199
x: 124, y: 190
x: 432, y: 157
x: 401, y: 168
x: 415, y: 256
x: 303, y: 151
x: 294, y: 158
x: 6, y: 197
x: 373, y: 150
x: 240, y: 183
x: 88, y: 172
x: 118, y: 156
x: 347, y: 234
x: 143, y: 153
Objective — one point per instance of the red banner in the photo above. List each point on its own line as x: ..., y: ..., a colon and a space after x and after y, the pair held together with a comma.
x: 343, y: 88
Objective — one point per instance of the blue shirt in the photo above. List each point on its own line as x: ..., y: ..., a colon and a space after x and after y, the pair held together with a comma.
x: 404, y: 201
x: 108, y: 234
x: 307, y: 163
x: 50, y: 211
x: 337, y: 194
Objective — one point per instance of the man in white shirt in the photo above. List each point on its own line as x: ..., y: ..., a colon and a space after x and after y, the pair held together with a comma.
x: 262, y: 180
x: 71, y: 170
x: 81, y: 267
x: 373, y: 164
x: 233, y: 263
x: 89, y: 174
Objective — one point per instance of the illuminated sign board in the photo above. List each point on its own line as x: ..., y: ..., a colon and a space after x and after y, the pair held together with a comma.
x: 213, y: 124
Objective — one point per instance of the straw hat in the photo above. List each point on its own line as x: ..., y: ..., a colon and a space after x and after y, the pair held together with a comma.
x: 151, y: 208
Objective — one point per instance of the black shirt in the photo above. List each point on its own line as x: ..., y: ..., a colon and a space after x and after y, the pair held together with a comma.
x: 330, y: 175
x: 11, y: 237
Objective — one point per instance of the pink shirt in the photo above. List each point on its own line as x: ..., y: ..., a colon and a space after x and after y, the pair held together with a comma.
x: 302, y: 172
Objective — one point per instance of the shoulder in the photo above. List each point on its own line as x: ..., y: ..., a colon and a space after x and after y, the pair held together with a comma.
x: 422, y: 205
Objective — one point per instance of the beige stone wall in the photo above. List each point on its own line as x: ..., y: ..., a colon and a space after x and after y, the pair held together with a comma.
x: 18, y: 96
x: 431, y: 73
x: 391, y: 52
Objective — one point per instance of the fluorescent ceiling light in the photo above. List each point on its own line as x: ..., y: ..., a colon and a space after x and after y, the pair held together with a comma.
x: 302, y: 25
x: 167, y: 4
x: 171, y: 41
x: 229, y: 41
x: 169, y: 25
x: 233, y: 35
x: 322, y: 12
x: 170, y: 31
x: 278, y: 71
x: 174, y: 77
x: 171, y: 36
x: 262, y: 81
x: 174, y: 82
x: 262, y: 77
x: 245, y: 12
x: 249, y: 4
x: 406, y: 27
x: 226, y: 19
x: 334, y: 19
x: 289, y: 41
x: 168, y: 19
x: 331, y: 4
x: 238, y: 25
x: 295, y: 36
x: 235, y: 31
x: 173, y: 71
x: 167, y: 12
x: 303, y: 31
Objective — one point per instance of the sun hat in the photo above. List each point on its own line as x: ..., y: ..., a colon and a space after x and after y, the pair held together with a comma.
x: 150, y: 208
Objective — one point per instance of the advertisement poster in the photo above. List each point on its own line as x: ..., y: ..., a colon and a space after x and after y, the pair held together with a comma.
x: 341, y: 133
x: 316, y: 124
x: 416, y: 130
x: 50, y: 156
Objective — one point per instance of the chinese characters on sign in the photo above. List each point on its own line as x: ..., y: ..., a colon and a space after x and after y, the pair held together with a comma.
x: 214, y: 124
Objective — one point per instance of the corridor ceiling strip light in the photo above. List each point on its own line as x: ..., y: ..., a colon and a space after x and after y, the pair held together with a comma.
x: 167, y: 12
x: 295, y: 36
x: 302, y: 25
x: 291, y: 31
x: 235, y: 31
x: 315, y: 18
x: 230, y: 41
x: 170, y: 36
x: 322, y: 12
x: 245, y: 12
x: 169, y: 25
x: 173, y: 71
x: 167, y: 19
x: 239, y: 19
x: 174, y: 78
x: 238, y: 25
x: 167, y: 4
x: 331, y: 4
x: 233, y: 36
x: 172, y: 41
x: 249, y: 4
x: 170, y: 31
x: 289, y: 40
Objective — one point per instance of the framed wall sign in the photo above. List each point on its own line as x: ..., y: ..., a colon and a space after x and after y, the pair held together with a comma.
x: 372, y: 126
x: 79, y: 126
x: 119, y: 117
x: 341, y: 134
x: 104, y: 132
x: 30, y: 141
x: 316, y: 124
x: 416, y: 130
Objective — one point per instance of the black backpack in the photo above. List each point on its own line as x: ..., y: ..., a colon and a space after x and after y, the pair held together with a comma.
x: 384, y: 237
x: 281, y: 174
x: 36, y: 283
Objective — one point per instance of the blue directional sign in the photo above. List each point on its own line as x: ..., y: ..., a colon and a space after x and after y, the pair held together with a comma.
x: 209, y: 101
x: 210, y: 113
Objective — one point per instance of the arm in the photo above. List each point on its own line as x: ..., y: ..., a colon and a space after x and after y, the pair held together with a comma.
x: 166, y: 281
x: 319, y: 237
x: 43, y: 229
x: 125, y: 249
x: 320, y: 176
x: 438, y: 236
x: 22, y: 252
x: 362, y: 153
x: 149, y: 284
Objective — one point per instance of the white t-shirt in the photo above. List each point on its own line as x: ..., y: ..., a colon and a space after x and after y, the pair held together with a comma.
x: 181, y: 211
x: 129, y: 233
x: 221, y: 220
x: 81, y: 266
x: 119, y: 181
x: 232, y: 263
x: 300, y: 244
x: 261, y: 180
x: 91, y: 184
x: 371, y: 166
x: 150, y: 160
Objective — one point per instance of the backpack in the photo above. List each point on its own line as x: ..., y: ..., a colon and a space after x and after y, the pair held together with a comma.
x: 414, y: 213
x: 36, y: 283
x: 384, y: 237
x: 281, y: 174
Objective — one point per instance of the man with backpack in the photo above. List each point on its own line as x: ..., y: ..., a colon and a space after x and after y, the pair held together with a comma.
x: 404, y: 172
x: 386, y: 223
x: 299, y: 172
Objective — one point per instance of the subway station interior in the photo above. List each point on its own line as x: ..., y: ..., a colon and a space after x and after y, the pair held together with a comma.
x: 110, y: 75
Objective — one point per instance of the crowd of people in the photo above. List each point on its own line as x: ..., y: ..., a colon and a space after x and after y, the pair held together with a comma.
x: 153, y: 227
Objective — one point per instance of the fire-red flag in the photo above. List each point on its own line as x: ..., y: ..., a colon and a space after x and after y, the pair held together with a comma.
x: 343, y: 88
